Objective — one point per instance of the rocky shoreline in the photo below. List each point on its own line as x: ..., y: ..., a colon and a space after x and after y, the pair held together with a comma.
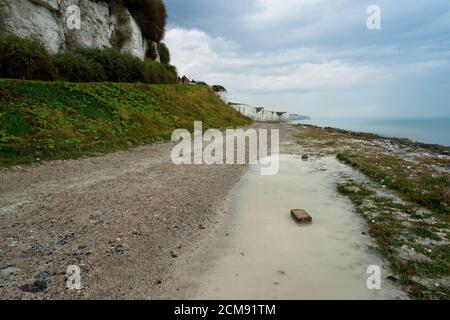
x: 405, y: 200
x: 437, y: 148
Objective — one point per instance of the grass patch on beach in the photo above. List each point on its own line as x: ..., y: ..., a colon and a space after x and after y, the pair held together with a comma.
x: 410, y: 181
x: 412, y: 246
x: 58, y: 120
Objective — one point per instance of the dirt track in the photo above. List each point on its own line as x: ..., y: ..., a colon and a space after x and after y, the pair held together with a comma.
x: 124, y: 218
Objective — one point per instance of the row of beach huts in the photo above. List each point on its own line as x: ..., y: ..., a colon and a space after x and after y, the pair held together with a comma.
x: 261, y: 115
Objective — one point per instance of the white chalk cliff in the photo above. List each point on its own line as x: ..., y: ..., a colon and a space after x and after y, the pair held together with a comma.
x: 261, y: 115
x: 46, y: 21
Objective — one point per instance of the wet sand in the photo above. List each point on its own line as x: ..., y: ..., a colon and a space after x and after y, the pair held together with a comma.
x: 260, y: 253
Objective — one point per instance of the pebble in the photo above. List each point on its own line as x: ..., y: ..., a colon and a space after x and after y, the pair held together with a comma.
x: 45, y: 275
x: 37, y: 286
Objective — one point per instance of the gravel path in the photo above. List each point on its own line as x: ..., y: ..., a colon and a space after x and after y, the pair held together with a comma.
x: 123, y: 218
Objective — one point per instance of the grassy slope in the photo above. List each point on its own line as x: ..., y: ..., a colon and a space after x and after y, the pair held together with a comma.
x: 55, y: 120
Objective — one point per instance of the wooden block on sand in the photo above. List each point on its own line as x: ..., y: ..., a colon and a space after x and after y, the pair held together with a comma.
x: 301, y: 216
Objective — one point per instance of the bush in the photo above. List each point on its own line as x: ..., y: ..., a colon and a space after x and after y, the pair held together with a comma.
x: 22, y: 58
x: 164, y: 53
x: 75, y: 67
x: 155, y: 72
x: 27, y: 59
x: 118, y: 67
x: 150, y: 15
x: 218, y: 88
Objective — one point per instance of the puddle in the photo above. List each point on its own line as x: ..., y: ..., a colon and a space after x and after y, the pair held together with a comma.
x: 268, y: 256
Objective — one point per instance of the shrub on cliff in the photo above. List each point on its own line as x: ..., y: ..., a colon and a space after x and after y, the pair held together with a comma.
x: 118, y: 67
x: 154, y: 72
x: 27, y: 59
x: 75, y: 67
x: 23, y: 58
x: 150, y: 15
x: 164, y: 53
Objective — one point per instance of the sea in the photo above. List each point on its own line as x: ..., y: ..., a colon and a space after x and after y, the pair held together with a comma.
x: 432, y: 131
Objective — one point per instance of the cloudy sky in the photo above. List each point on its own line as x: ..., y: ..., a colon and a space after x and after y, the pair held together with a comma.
x: 318, y: 57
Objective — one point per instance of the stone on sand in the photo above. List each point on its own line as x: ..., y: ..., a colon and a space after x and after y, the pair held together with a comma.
x: 301, y: 216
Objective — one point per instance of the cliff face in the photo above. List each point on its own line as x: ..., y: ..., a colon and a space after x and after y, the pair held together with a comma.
x: 47, y: 21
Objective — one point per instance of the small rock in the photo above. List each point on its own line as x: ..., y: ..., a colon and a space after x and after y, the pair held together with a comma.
x: 44, y: 276
x: 201, y: 227
x: 173, y: 255
x: 301, y: 216
x: 37, y: 286
x: 391, y: 278
x: 5, y: 273
x: 353, y: 189
x: 305, y: 157
x: 66, y: 239
x: 119, y: 249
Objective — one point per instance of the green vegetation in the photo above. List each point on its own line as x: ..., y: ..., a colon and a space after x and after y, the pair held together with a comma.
x: 218, y: 88
x: 164, y: 53
x: 75, y: 67
x: 24, y: 59
x: 422, y: 187
x: 117, y: 67
x: 150, y: 15
x: 154, y: 72
x: 55, y: 120
x: 27, y: 59
x: 398, y: 228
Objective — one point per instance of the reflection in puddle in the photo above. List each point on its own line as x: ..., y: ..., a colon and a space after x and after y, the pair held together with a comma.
x: 270, y: 257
